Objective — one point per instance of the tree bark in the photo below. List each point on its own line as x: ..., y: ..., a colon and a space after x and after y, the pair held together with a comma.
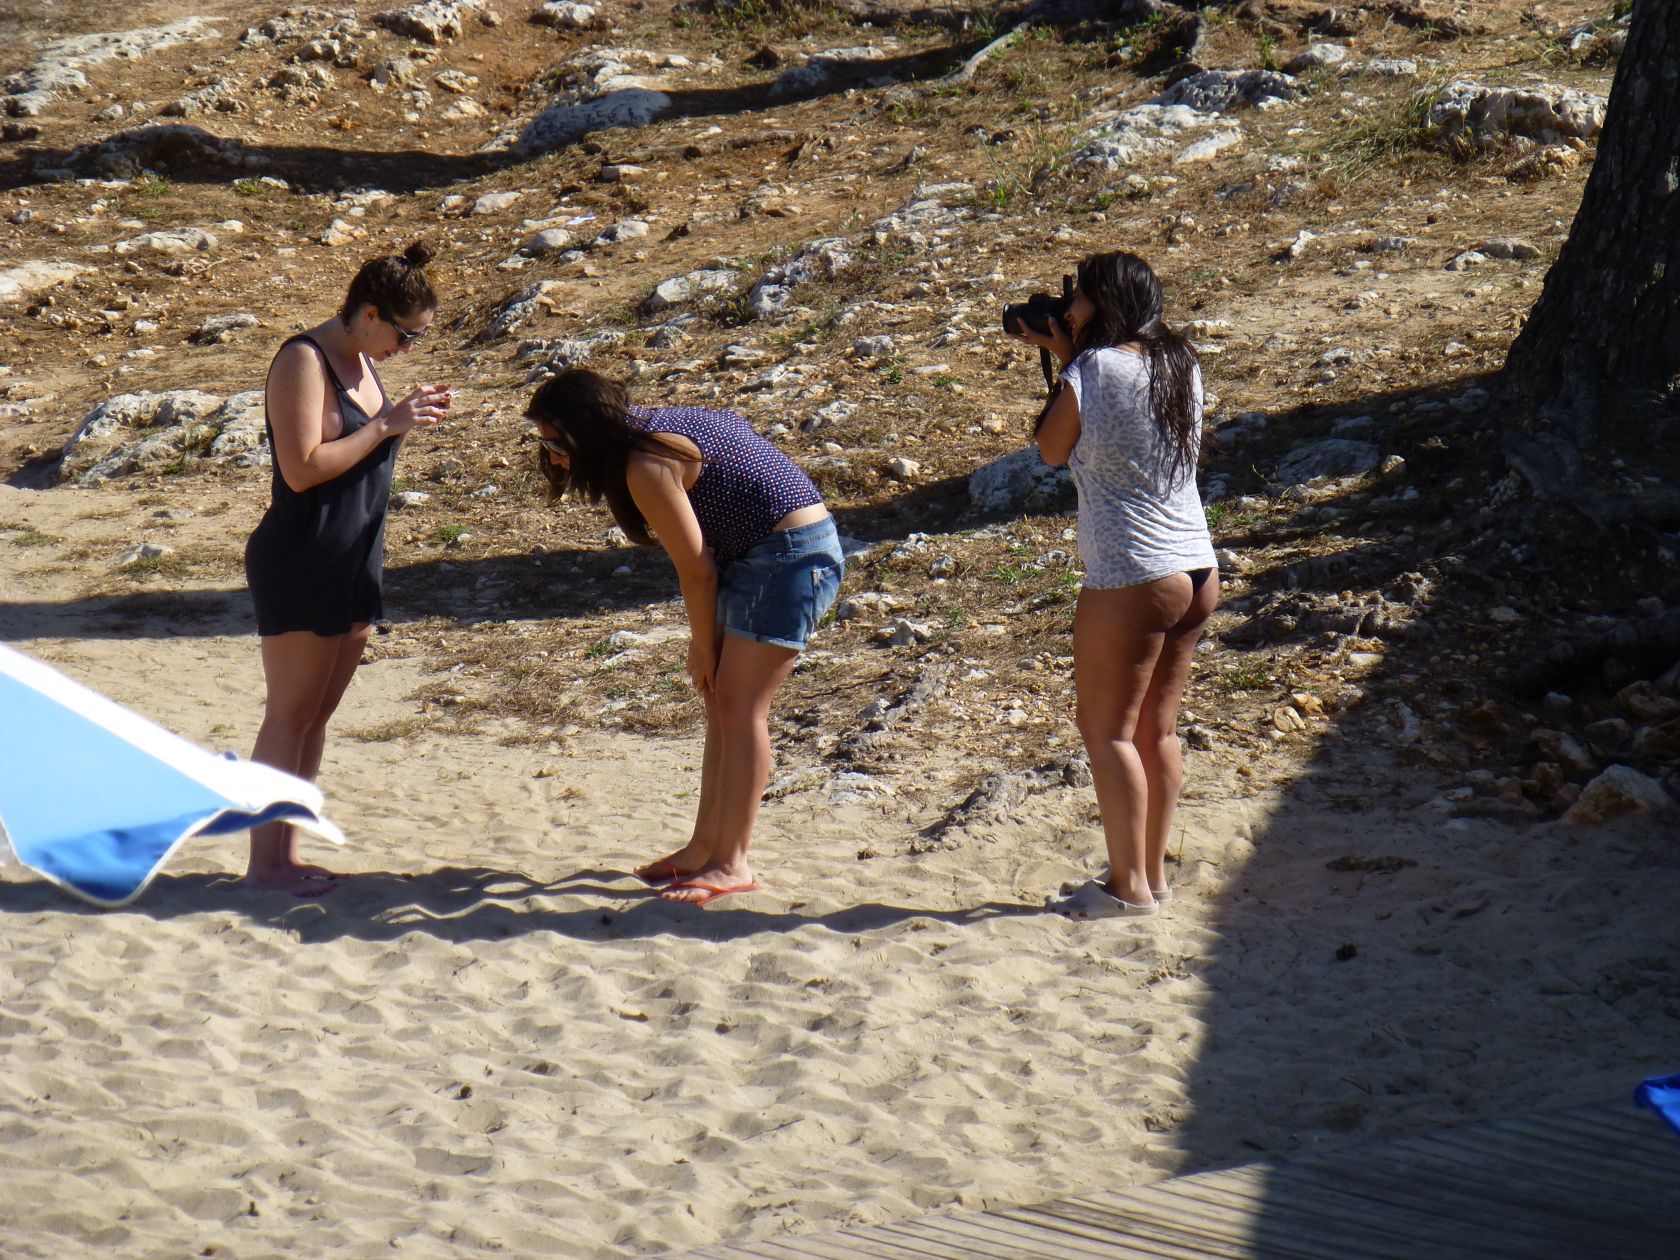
x: 1606, y: 329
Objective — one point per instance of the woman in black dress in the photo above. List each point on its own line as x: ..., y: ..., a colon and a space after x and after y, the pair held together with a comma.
x: 315, y: 562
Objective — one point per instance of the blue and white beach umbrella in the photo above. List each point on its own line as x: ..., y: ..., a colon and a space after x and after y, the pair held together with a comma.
x: 95, y: 798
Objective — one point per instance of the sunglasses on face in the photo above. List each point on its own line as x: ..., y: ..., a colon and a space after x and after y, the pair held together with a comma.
x: 551, y: 446
x: 404, y: 336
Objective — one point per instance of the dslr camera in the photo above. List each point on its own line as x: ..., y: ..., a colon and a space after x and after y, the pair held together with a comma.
x: 1038, y: 310
x: 1036, y: 313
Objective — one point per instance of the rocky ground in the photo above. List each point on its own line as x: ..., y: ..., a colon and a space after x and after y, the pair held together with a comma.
x: 814, y: 214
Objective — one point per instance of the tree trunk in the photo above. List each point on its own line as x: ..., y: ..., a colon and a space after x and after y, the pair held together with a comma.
x: 1606, y: 329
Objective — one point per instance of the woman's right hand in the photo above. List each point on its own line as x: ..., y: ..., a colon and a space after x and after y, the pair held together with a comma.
x: 420, y: 410
x: 1059, y: 341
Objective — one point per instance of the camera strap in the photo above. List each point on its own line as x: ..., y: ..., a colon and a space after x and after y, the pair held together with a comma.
x: 1052, y: 381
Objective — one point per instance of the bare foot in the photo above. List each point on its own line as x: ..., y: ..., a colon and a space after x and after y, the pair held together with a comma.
x: 680, y: 865
x: 297, y: 879
x: 708, y: 884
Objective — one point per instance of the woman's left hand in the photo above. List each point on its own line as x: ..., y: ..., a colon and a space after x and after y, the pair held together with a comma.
x: 1059, y: 341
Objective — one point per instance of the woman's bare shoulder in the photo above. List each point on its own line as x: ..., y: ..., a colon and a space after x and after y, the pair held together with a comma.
x: 298, y: 357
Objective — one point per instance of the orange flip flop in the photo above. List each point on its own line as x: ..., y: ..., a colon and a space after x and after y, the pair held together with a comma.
x: 713, y: 889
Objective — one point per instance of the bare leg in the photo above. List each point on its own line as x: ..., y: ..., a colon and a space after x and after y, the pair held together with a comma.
x: 748, y: 675
x: 350, y: 649
x: 698, y: 851
x: 1157, y: 730
x: 306, y: 675
x: 1118, y: 637
x: 701, y: 841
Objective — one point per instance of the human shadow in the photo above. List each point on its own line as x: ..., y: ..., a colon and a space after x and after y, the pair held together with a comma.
x: 552, y: 584
x: 465, y: 904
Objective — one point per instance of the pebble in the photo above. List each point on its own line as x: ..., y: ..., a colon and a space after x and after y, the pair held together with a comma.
x: 143, y: 551
x: 491, y: 202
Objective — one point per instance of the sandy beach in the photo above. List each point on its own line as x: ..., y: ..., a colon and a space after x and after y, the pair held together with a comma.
x: 490, y: 1039
x: 493, y: 1039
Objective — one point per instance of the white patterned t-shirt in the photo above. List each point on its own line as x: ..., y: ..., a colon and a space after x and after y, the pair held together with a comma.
x: 1136, y: 523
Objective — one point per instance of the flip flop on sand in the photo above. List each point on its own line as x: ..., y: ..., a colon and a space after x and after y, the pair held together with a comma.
x: 1092, y: 901
x: 661, y: 872
x: 714, y: 890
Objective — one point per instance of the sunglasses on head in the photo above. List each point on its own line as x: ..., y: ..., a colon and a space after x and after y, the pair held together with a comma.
x: 404, y: 336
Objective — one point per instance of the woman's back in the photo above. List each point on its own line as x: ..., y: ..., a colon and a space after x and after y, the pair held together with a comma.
x: 746, y: 483
x: 1140, y: 515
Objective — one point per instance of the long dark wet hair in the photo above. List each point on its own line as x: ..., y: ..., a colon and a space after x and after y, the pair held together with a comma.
x: 591, y: 417
x: 1129, y: 306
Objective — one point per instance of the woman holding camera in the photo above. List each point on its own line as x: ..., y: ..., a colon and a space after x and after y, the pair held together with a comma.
x: 1126, y: 419
x: 316, y: 560
x: 759, y: 563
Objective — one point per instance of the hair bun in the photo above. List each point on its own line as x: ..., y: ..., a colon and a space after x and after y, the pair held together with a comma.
x: 417, y: 254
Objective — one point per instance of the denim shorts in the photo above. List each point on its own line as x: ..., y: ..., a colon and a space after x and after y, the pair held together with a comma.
x: 779, y: 588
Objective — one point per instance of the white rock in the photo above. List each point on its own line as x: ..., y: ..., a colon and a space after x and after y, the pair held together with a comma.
x: 1486, y: 115
x: 1317, y: 57
x: 1618, y: 790
x: 547, y: 241
x: 27, y: 278
x: 219, y: 328
x: 1389, y: 68
x: 680, y: 289
x: 904, y: 633
x: 1509, y: 247
x: 520, y: 308
x: 1210, y: 147
x: 1017, y: 482
x: 143, y: 551
x: 239, y: 423
x: 491, y: 202
x: 565, y: 15
x: 904, y: 469
x: 171, y: 241
x: 624, y: 230
x: 60, y: 63
x: 1212, y: 91
x: 433, y: 22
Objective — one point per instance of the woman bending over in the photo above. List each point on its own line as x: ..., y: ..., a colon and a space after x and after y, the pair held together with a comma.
x: 1127, y: 420
x: 759, y: 562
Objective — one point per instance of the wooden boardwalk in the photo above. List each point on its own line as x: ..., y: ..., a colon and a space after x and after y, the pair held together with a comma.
x: 1590, y: 1183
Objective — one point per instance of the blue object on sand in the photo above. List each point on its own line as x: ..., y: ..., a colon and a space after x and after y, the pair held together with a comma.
x: 95, y: 797
x: 1662, y: 1095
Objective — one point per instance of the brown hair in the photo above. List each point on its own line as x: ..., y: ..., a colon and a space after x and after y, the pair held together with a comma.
x: 1129, y: 306
x: 591, y: 416
x: 395, y: 286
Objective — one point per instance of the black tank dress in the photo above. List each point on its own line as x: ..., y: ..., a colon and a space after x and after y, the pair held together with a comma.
x: 316, y: 560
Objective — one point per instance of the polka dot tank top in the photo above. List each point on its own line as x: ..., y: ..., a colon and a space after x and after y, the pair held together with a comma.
x: 746, y: 484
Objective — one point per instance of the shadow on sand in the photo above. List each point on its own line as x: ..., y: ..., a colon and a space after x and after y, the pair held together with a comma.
x: 465, y: 904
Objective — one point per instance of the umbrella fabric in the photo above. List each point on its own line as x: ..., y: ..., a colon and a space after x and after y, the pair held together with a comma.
x: 1662, y: 1095
x: 95, y: 797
